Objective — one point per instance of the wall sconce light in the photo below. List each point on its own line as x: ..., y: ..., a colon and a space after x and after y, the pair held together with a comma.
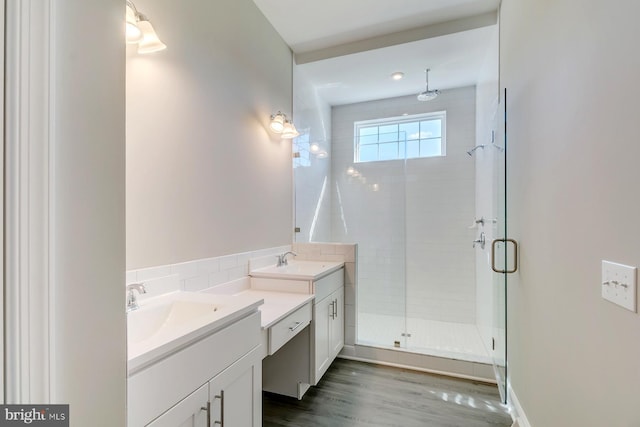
x: 280, y: 124
x: 140, y: 31
x: 290, y: 130
x: 277, y: 122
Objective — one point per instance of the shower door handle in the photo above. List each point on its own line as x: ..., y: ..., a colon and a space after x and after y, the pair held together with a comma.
x: 515, y: 256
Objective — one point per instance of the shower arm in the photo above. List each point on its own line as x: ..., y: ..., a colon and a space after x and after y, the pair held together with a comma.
x: 470, y: 152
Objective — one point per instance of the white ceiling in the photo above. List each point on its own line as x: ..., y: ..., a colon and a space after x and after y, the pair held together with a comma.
x: 310, y: 25
x: 454, y: 60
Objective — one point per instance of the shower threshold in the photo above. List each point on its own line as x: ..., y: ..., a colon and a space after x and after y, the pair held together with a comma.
x: 457, y: 341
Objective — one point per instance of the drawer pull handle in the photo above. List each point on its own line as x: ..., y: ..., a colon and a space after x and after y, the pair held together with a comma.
x: 208, y: 409
x: 296, y: 326
x: 221, y: 397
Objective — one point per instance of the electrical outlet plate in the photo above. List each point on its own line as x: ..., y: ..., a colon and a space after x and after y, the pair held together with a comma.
x: 619, y: 284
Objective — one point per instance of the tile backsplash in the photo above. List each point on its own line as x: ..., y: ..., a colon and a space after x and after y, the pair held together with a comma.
x: 200, y: 274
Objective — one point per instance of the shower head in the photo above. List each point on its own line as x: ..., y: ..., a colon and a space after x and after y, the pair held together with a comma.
x: 428, y: 95
x: 470, y: 152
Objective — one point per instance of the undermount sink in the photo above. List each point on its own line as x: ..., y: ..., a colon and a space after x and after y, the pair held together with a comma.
x: 146, y: 322
x: 166, y: 323
x: 299, y: 270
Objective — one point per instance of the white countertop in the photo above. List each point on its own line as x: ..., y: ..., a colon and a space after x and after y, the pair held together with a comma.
x: 298, y: 270
x: 175, y: 328
x: 277, y: 305
x: 148, y: 343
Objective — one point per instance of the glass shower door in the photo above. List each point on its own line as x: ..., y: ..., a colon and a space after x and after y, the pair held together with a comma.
x: 371, y: 203
x: 500, y: 256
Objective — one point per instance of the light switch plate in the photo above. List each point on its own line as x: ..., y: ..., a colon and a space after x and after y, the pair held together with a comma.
x: 619, y: 284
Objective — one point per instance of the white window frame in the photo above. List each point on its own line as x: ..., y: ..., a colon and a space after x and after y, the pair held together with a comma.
x: 441, y: 115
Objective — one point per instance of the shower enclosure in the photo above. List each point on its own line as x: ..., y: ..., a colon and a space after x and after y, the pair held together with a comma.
x: 423, y: 204
x: 410, y: 213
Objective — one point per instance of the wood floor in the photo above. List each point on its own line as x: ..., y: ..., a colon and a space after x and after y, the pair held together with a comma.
x: 361, y: 394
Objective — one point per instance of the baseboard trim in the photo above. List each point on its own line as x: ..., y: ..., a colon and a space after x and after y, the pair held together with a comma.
x: 415, y: 368
x: 468, y: 370
x: 517, y: 412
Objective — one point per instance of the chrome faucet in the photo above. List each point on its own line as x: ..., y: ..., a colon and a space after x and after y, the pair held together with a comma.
x: 132, y: 301
x: 480, y: 241
x: 282, y: 259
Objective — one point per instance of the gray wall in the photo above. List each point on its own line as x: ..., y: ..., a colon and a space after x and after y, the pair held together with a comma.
x: 205, y: 177
x: 87, y: 217
x: 571, y: 70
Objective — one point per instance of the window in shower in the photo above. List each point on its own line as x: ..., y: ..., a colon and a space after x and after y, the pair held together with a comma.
x: 405, y: 137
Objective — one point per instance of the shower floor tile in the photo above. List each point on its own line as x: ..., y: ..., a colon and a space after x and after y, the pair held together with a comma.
x: 443, y: 339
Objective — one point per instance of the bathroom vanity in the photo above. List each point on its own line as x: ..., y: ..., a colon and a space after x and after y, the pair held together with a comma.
x: 195, y: 360
x: 204, y: 358
x: 301, y: 362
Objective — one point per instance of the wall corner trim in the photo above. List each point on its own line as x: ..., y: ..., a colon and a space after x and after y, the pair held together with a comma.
x: 27, y: 192
x: 517, y: 412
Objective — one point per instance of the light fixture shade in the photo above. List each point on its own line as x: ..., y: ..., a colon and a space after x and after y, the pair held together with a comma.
x: 133, y: 33
x: 289, y: 131
x: 277, y: 122
x: 150, y: 42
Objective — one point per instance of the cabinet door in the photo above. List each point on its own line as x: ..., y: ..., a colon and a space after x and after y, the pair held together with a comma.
x: 236, y: 393
x: 322, y: 319
x: 189, y: 412
x: 337, y: 323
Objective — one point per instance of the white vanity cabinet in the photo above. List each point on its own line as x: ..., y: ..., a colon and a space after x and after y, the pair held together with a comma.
x: 291, y: 368
x: 235, y: 395
x: 217, y: 377
x: 190, y: 412
x: 327, y: 335
x: 232, y: 398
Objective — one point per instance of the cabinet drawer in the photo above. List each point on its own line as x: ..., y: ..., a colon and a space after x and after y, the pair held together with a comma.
x: 328, y: 284
x: 287, y: 328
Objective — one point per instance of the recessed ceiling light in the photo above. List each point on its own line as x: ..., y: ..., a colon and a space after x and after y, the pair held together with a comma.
x: 398, y: 75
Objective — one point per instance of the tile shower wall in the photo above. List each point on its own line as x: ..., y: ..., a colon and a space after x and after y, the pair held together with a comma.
x: 347, y: 253
x: 419, y: 220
